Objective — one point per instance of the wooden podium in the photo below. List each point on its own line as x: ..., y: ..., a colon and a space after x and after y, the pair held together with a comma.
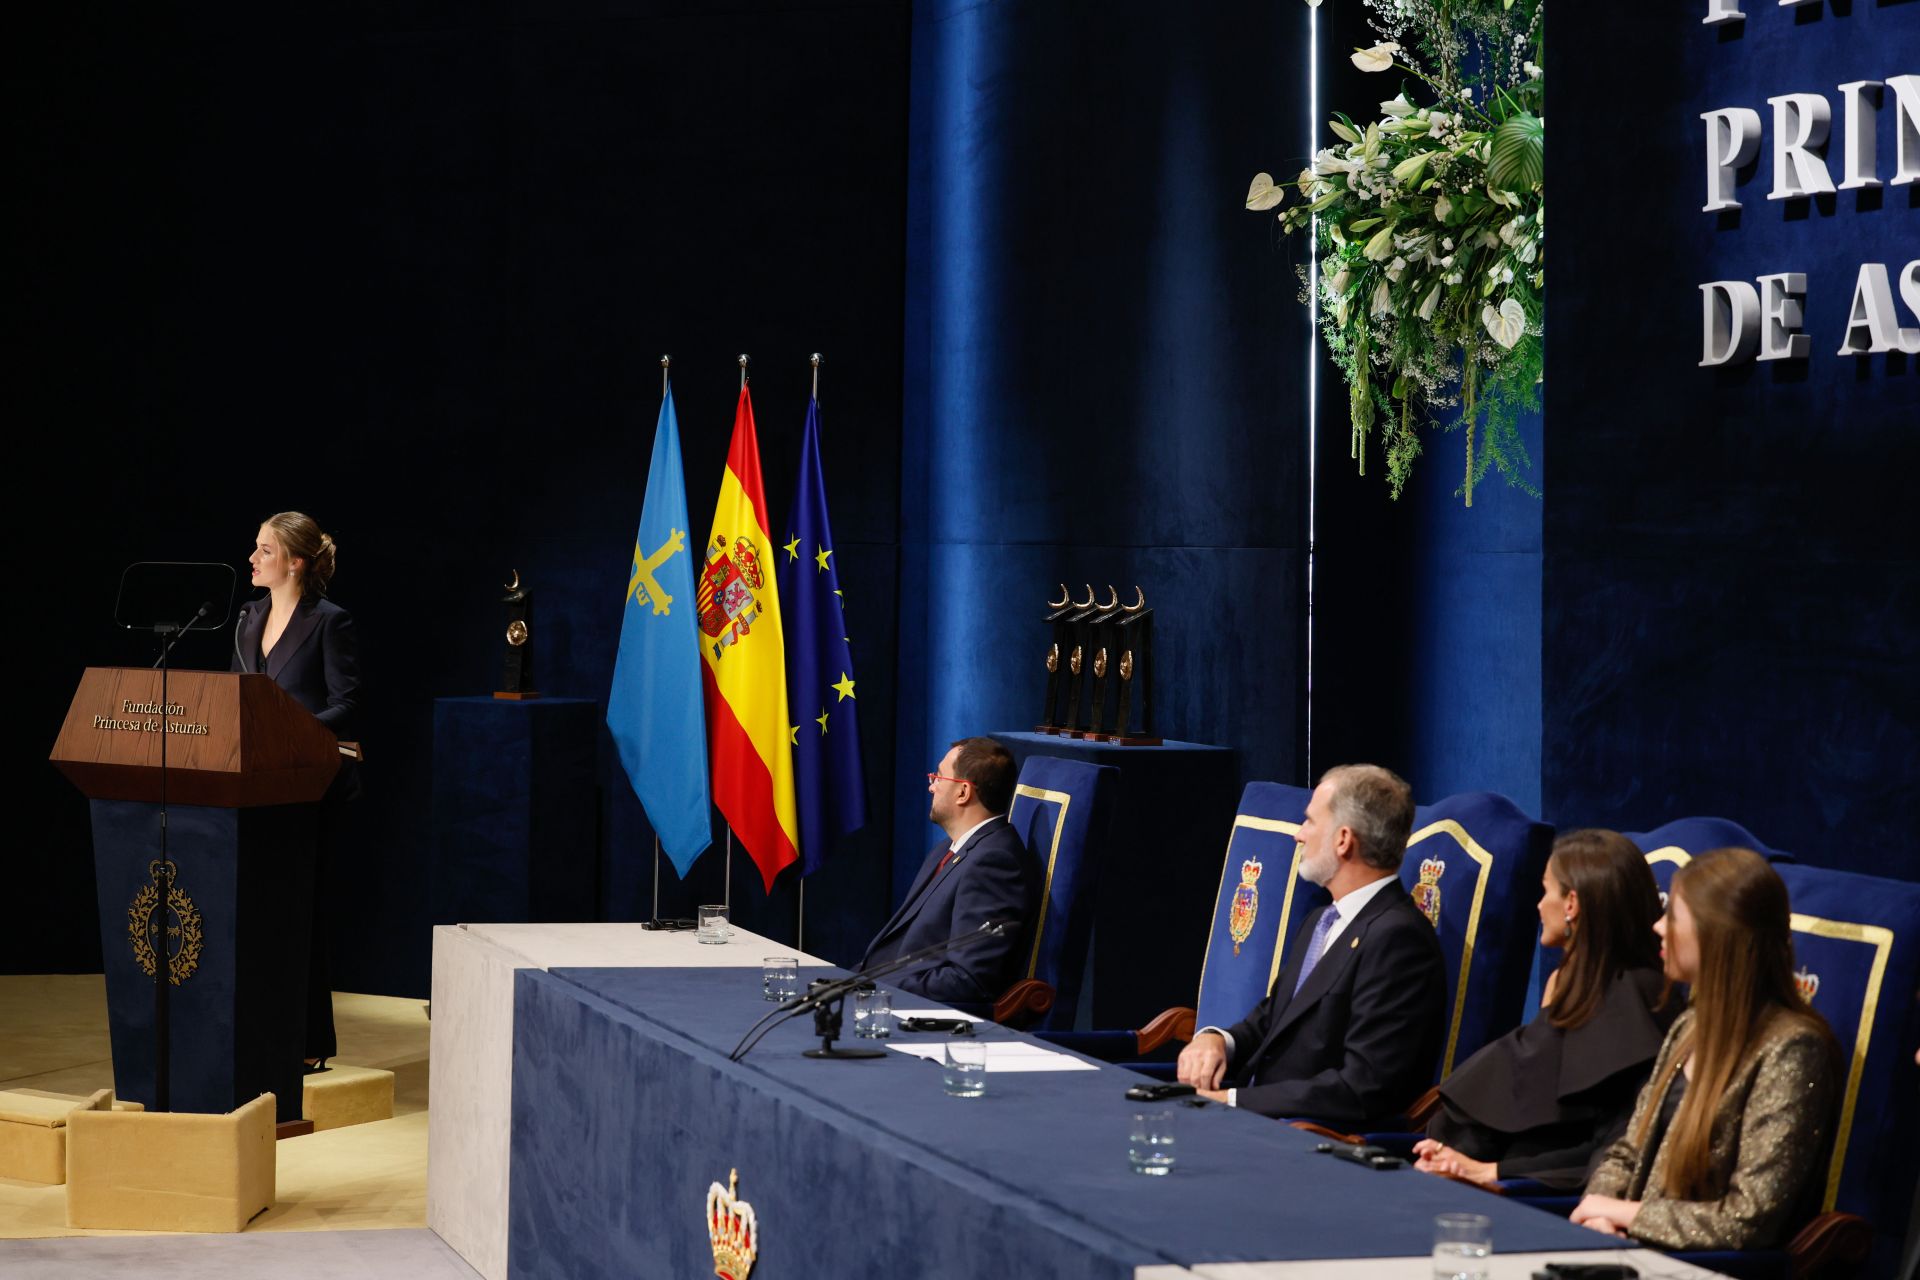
x: 246, y: 768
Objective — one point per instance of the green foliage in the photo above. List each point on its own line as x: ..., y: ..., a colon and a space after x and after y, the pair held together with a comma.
x: 1430, y: 225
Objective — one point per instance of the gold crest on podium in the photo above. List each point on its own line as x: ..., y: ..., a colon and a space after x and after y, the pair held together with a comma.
x: 731, y: 1230
x: 183, y: 931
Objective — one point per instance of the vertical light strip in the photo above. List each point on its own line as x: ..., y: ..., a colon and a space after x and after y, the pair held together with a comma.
x: 1313, y: 363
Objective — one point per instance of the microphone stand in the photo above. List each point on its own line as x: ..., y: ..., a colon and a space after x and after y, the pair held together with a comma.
x: 826, y: 996
x: 170, y: 634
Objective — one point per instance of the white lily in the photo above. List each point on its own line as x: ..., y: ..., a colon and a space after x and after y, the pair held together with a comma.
x: 1337, y: 286
x: 1528, y: 251
x: 1378, y: 58
x: 1382, y: 300
x: 1397, y: 107
x: 1380, y: 248
x: 1441, y: 208
x: 1262, y: 194
x: 1409, y: 170
x: 1394, y: 269
x: 1345, y: 131
x: 1431, y: 304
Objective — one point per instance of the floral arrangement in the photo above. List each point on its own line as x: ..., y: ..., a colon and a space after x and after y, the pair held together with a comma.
x: 1430, y: 223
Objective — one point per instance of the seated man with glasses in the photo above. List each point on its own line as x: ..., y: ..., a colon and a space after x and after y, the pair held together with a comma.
x: 981, y: 872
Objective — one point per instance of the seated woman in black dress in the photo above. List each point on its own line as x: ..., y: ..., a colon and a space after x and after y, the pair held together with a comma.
x: 1545, y: 1100
x: 1731, y: 1136
x: 306, y: 643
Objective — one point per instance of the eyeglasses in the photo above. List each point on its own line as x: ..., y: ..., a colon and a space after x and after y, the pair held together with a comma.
x: 941, y: 777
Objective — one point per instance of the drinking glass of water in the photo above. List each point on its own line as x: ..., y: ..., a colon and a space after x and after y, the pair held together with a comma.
x: 780, y: 977
x: 1461, y: 1243
x: 965, y: 1067
x: 873, y: 1013
x: 1150, y: 1143
x: 713, y: 923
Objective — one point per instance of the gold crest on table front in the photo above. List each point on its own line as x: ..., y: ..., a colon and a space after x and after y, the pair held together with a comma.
x: 184, y: 931
x: 731, y: 1230
x: 1426, y: 894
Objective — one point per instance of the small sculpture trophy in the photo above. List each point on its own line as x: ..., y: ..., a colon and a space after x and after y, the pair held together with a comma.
x: 1106, y: 657
x: 1057, y: 654
x: 1079, y: 658
x: 517, y: 673
x: 1135, y: 641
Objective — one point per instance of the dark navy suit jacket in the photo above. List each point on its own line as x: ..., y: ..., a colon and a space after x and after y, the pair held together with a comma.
x: 992, y: 877
x: 1361, y: 1039
x: 317, y: 662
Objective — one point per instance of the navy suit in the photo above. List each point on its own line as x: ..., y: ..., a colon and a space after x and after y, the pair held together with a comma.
x: 991, y: 877
x: 1360, y: 1040
x: 317, y: 662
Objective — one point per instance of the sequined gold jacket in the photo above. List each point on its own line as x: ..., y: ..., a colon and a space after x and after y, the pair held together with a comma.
x: 1772, y: 1135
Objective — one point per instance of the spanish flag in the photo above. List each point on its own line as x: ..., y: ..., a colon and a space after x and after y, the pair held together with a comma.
x: 744, y: 672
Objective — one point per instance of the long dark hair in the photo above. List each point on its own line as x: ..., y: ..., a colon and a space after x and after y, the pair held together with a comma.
x: 1743, y: 925
x: 1613, y: 933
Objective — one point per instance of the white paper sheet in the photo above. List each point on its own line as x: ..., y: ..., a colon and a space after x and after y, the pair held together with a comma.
x: 1005, y: 1056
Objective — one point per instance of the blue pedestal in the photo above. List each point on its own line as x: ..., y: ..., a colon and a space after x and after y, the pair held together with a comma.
x: 240, y: 932
x: 1160, y: 872
x: 514, y: 809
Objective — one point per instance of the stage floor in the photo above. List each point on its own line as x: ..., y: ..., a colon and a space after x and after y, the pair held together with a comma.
x: 360, y: 1181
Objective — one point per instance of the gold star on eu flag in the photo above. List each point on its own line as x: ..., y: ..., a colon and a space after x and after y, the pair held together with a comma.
x: 792, y: 549
x: 821, y: 720
x: 794, y: 732
x: 821, y: 559
x: 844, y: 687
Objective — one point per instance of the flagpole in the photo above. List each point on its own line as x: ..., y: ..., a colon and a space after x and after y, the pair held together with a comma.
x: 743, y: 371
x: 800, y: 923
x: 728, y: 898
x: 665, y: 362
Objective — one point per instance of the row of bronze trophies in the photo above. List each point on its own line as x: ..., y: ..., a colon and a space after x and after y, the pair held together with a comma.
x: 1112, y: 643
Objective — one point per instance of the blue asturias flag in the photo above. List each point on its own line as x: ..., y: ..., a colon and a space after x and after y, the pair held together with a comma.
x: 829, y: 788
x: 656, y: 711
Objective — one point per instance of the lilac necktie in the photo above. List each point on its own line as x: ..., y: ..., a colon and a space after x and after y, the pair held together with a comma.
x: 1317, y: 944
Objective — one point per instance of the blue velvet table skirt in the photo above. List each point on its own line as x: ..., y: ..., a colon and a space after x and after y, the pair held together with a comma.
x: 625, y: 1110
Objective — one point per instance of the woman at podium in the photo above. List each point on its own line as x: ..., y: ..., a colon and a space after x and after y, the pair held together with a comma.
x: 306, y: 643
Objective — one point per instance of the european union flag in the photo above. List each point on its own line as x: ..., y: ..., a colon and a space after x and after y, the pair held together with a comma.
x: 655, y: 711
x: 829, y: 786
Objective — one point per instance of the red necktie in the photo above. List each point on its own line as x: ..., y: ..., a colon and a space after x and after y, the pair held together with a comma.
x: 945, y: 858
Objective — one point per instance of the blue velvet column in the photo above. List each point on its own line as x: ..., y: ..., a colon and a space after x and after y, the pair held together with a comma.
x: 514, y: 809
x: 1103, y: 366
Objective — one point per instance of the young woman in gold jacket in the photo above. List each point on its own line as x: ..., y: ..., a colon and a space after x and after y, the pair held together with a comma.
x: 1731, y: 1135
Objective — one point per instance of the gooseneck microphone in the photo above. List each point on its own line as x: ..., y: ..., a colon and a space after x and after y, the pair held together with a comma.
x: 239, y: 624
x: 206, y: 607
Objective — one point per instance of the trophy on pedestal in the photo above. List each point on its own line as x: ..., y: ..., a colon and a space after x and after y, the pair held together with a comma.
x: 1079, y: 658
x: 1134, y: 642
x: 1058, y: 653
x: 1106, y: 657
x: 516, y: 676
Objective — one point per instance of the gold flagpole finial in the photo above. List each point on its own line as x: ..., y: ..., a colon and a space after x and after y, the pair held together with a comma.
x: 743, y: 369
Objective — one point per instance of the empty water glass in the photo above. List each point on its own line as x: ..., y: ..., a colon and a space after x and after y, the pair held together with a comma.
x: 780, y: 977
x: 1150, y: 1142
x: 1461, y: 1243
x: 965, y: 1067
x: 873, y: 1013
x: 713, y: 923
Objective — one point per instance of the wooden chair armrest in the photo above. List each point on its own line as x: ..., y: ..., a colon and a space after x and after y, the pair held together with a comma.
x: 1308, y: 1126
x: 1421, y: 1109
x: 1172, y: 1026
x: 1023, y: 1004
x: 1833, y: 1244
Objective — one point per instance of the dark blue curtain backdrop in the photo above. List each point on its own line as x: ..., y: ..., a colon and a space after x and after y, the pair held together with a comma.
x: 1426, y: 633
x: 410, y: 268
x: 1104, y: 365
x: 1732, y: 601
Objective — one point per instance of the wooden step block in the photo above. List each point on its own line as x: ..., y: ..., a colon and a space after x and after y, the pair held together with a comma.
x: 33, y: 1130
x: 343, y: 1095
